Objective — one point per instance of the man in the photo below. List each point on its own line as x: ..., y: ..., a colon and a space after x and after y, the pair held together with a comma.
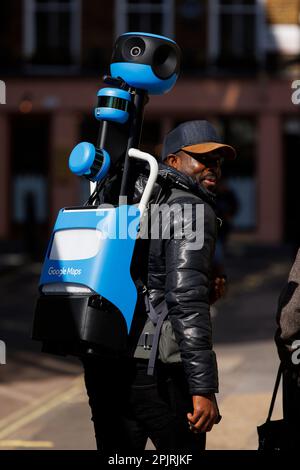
x: 176, y: 406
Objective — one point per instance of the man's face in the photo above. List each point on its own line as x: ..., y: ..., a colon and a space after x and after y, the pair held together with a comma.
x: 204, y: 168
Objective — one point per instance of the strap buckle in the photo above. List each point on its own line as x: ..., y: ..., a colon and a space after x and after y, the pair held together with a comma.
x: 147, y: 347
x: 144, y: 289
x: 141, y: 287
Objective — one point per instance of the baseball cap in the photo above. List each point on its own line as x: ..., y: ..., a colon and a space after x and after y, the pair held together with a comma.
x: 195, y: 137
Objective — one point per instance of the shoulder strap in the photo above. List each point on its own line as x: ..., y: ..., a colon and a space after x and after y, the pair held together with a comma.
x: 151, y: 311
x: 161, y: 313
x: 277, y: 382
x: 157, y: 315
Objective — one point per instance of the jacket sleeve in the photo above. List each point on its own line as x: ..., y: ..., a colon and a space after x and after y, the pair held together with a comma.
x: 288, y: 313
x: 188, y: 264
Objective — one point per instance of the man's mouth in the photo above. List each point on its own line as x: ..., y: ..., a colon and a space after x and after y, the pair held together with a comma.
x: 209, y: 180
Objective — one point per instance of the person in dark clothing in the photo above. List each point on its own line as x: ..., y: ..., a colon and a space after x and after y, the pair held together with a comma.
x: 176, y: 405
x: 287, y: 338
x: 227, y: 208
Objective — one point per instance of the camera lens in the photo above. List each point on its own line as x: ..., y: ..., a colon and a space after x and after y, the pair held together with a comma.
x: 135, y: 51
x: 165, y: 61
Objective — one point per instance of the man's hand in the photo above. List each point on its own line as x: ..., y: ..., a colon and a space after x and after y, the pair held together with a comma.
x: 218, y: 289
x: 205, y: 413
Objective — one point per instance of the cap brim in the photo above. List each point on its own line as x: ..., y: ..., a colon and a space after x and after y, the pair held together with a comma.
x: 228, y: 152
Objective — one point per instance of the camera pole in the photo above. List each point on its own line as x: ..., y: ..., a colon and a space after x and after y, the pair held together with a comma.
x: 87, y: 295
x: 140, y: 99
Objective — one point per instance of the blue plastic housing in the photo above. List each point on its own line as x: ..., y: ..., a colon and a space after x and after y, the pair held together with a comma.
x: 112, y: 113
x: 108, y: 272
x: 140, y: 33
x: 142, y: 76
x: 82, y: 158
x: 86, y: 160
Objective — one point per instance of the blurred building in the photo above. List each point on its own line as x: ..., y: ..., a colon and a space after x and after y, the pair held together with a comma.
x: 240, y: 58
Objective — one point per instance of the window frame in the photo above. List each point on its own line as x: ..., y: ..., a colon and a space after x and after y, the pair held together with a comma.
x: 215, y: 9
x: 30, y: 45
x: 123, y: 8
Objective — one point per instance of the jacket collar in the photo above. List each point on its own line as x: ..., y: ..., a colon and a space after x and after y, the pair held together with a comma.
x: 185, y: 182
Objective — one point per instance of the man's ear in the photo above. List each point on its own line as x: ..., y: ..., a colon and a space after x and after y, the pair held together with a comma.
x: 172, y: 160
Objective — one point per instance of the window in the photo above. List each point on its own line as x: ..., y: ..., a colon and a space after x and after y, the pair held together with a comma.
x: 236, y: 29
x: 191, y: 34
x: 155, y: 16
x: 52, y: 32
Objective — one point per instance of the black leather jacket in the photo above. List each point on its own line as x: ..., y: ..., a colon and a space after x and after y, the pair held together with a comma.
x: 182, y: 275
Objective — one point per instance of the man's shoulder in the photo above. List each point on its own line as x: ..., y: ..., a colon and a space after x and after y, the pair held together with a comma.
x: 180, y: 196
x: 185, y: 199
x: 177, y: 194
